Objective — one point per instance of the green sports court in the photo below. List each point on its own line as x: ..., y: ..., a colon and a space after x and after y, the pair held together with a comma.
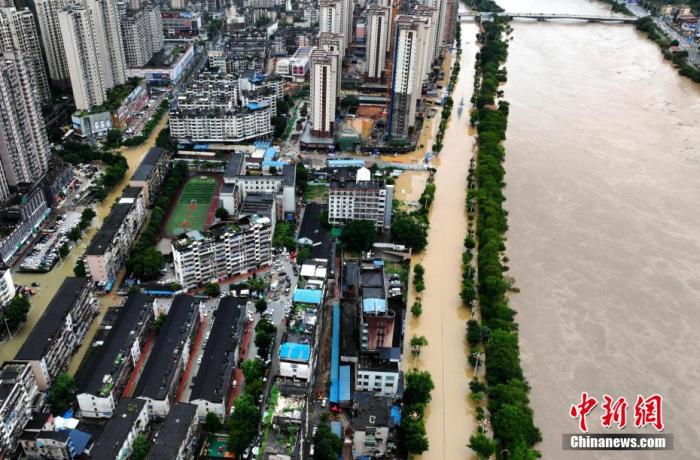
x: 192, y: 210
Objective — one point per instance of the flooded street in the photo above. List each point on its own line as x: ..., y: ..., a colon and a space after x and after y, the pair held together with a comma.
x: 450, y: 420
x: 602, y: 171
x: 50, y: 282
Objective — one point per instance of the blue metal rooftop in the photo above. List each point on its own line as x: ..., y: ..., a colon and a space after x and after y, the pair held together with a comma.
x: 299, y: 352
x: 310, y: 296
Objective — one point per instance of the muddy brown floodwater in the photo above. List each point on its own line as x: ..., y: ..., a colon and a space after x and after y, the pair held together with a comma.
x: 450, y: 420
x: 602, y: 167
x: 50, y: 282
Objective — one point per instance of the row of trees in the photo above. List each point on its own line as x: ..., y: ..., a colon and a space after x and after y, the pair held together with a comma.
x: 679, y: 58
x: 508, y: 403
x: 412, y: 435
x: 145, y: 260
x: 489, y: 6
x: 411, y: 228
x: 244, y: 421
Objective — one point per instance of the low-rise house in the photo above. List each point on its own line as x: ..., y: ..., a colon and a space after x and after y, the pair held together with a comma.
x: 151, y: 173
x: 213, y: 383
x: 224, y: 250
x: 373, y: 421
x: 110, y: 246
x: 176, y: 439
x: 130, y: 420
x: 60, y: 330
x: 161, y: 374
x: 115, y: 349
x: 19, y: 395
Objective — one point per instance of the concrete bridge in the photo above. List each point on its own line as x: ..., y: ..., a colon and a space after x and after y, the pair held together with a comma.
x: 465, y: 17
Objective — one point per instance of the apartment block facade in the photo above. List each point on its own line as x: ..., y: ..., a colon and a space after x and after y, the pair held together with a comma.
x: 18, y: 397
x: 360, y: 199
x: 324, y: 89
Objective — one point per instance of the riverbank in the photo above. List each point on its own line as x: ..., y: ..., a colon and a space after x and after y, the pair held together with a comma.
x: 512, y: 419
x: 678, y: 57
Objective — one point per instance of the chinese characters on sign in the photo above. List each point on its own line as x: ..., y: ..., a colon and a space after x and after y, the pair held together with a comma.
x: 647, y: 411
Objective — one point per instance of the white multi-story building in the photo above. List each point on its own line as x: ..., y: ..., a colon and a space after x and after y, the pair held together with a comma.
x: 7, y: 286
x: 219, y: 125
x: 329, y: 19
x: 47, y: 16
x: 225, y: 250
x: 360, y: 199
x: 18, y: 33
x: 117, y: 439
x: 108, y: 41
x: 433, y: 45
x: 347, y: 11
x: 441, y: 8
x: 324, y: 90
x: 407, y: 81
x: 333, y: 43
x: 18, y: 395
x: 378, y: 25
x: 110, y: 246
x: 24, y: 146
x: 142, y: 31
x: 82, y: 56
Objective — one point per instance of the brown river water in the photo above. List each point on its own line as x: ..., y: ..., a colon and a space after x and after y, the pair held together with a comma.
x: 50, y: 282
x: 602, y: 167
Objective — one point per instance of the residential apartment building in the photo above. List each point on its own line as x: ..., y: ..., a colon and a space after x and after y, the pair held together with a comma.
x: 108, y: 41
x: 7, y: 286
x: 223, y: 251
x: 24, y: 146
x: 433, y: 41
x: 324, y: 91
x: 177, y: 437
x: 60, y: 330
x: 378, y: 23
x: 407, y: 81
x: 117, y: 439
x: 142, y: 31
x: 181, y: 23
x: 169, y: 356
x: 19, y: 395
x: 18, y: 34
x: 330, y: 19
x: 360, y: 198
x: 213, y: 383
x: 19, y: 217
x: 151, y: 173
x: 333, y: 43
x: 110, y: 246
x: 373, y: 425
x: 47, y: 17
x: 114, y: 351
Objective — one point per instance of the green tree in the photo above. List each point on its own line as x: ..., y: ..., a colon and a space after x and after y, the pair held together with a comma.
x: 417, y: 309
x: 416, y: 343
x: 212, y: 423
x: 15, y: 312
x: 482, y: 445
x: 140, y: 448
x: 419, y: 384
x: 113, y: 138
x: 79, y: 269
x: 63, y: 250
x: 146, y: 263
x: 418, y: 281
x: 212, y: 290
x: 252, y: 369
x: 75, y: 234
x: 243, y: 424
x: 503, y: 357
x: 61, y: 393
x: 302, y: 177
x: 514, y: 424
x: 473, y: 332
x: 222, y: 213
x: 303, y: 254
x: 260, y: 305
x: 256, y: 283
x: 87, y: 215
x: 264, y: 336
x: 327, y: 446
x: 358, y: 235
x: 407, y: 230
x: 412, y: 434
x: 158, y: 323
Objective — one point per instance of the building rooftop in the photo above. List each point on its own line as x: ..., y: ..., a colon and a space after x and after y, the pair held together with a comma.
x: 51, y: 321
x: 310, y: 229
x: 218, y: 357
x: 111, y: 347
x: 158, y: 373
x: 310, y: 296
x: 349, y: 337
x: 258, y: 203
x: 289, y: 172
x: 173, y: 432
x: 297, y: 352
x: 235, y: 165
x: 143, y: 172
x: 104, y: 237
x: 116, y: 430
x: 9, y: 373
x: 371, y: 411
x: 219, y: 230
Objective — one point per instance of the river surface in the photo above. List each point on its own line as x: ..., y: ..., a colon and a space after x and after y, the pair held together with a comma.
x: 602, y: 167
x: 50, y: 282
x: 450, y: 419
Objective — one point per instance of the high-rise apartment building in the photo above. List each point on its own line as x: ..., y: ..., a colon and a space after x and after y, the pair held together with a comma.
x: 333, y: 43
x: 377, y: 24
x: 18, y: 33
x: 433, y: 45
x: 441, y: 7
x: 324, y: 90
x: 329, y: 17
x: 142, y: 31
x: 47, y: 15
x: 347, y: 20
x: 24, y: 146
x: 407, y: 80
x: 108, y: 41
x: 82, y: 56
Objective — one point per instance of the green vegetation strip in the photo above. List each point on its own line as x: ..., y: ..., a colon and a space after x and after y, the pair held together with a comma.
x: 679, y: 58
x: 508, y: 404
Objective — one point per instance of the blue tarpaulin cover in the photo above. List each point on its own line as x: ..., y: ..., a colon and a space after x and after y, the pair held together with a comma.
x: 290, y: 351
